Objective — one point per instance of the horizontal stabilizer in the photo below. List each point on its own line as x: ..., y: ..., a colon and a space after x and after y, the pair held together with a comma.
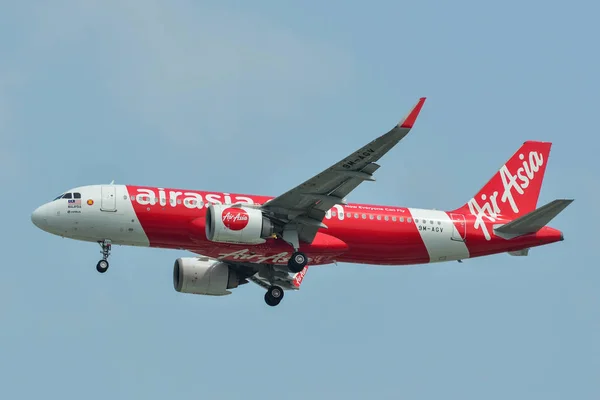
x: 532, y: 221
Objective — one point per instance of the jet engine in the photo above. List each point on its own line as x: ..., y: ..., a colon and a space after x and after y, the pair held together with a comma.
x: 237, y: 224
x: 204, y: 276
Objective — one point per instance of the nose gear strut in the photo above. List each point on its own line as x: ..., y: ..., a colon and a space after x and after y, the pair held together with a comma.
x: 102, y: 265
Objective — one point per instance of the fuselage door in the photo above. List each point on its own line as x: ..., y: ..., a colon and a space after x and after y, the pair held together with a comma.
x: 109, y: 199
x: 459, y: 233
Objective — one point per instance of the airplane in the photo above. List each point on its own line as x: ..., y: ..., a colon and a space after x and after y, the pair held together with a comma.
x: 271, y: 241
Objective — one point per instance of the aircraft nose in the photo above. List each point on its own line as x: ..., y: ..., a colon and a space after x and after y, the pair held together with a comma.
x: 39, y: 217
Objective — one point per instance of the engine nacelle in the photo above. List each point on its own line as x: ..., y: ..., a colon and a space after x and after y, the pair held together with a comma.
x: 203, y: 276
x: 237, y: 224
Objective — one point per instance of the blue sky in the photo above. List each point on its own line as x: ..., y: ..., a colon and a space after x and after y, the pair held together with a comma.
x: 255, y: 97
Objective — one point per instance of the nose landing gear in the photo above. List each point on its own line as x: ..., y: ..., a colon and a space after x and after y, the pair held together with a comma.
x: 102, y: 265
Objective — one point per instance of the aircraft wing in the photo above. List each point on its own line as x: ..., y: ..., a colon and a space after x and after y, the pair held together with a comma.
x: 305, y: 205
x: 266, y: 275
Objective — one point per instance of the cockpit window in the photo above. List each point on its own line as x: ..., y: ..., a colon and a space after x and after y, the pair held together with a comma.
x: 69, y: 196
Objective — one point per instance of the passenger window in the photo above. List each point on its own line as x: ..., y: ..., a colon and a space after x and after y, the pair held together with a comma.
x: 67, y: 196
x: 76, y: 195
x: 341, y: 213
x: 387, y: 218
x: 401, y: 219
x: 371, y: 216
x: 333, y: 214
x: 379, y: 217
x: 364, y: 216
x: 409, y: 220
x: 394, y: 219
x: 355, y: 215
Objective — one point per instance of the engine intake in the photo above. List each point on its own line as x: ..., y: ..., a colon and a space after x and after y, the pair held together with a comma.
x: 204, y: 276
x: 237, y: 224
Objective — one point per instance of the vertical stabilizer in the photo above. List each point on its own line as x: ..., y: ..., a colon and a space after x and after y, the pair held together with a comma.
x: 515, y: 188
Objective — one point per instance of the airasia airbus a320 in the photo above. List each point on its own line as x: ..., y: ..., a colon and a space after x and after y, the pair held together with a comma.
x: 271, y: 241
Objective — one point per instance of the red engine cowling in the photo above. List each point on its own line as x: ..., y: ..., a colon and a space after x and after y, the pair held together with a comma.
x: 237, y: 224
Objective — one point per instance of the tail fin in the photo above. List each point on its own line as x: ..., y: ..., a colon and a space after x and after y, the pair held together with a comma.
x: 514, y: 190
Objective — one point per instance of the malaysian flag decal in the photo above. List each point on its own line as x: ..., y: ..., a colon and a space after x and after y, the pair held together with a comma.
x: 74, y: 203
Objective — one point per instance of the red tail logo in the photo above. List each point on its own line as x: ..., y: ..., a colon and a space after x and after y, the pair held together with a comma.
x: 514, y: 190
x: 235, y: 219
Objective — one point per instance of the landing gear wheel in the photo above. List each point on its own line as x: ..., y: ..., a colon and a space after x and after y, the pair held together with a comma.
x: 274, y: 296
x: 297, y: 262
x: 102, y: 266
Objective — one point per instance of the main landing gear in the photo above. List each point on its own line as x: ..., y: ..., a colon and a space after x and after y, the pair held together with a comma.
x: 298, y: 260
x: 274, y: 296
x: 102, y: 265
x: 296, y: 263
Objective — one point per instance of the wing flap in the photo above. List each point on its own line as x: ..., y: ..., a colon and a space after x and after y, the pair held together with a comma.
x: 265, y: 275
x: 291, y: 282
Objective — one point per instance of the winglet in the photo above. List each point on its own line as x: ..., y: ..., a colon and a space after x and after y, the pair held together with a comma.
x: 410, y: 119
x: 299, y: 277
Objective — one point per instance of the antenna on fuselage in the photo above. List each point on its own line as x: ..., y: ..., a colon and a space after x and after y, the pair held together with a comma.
x: 112, y: 182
